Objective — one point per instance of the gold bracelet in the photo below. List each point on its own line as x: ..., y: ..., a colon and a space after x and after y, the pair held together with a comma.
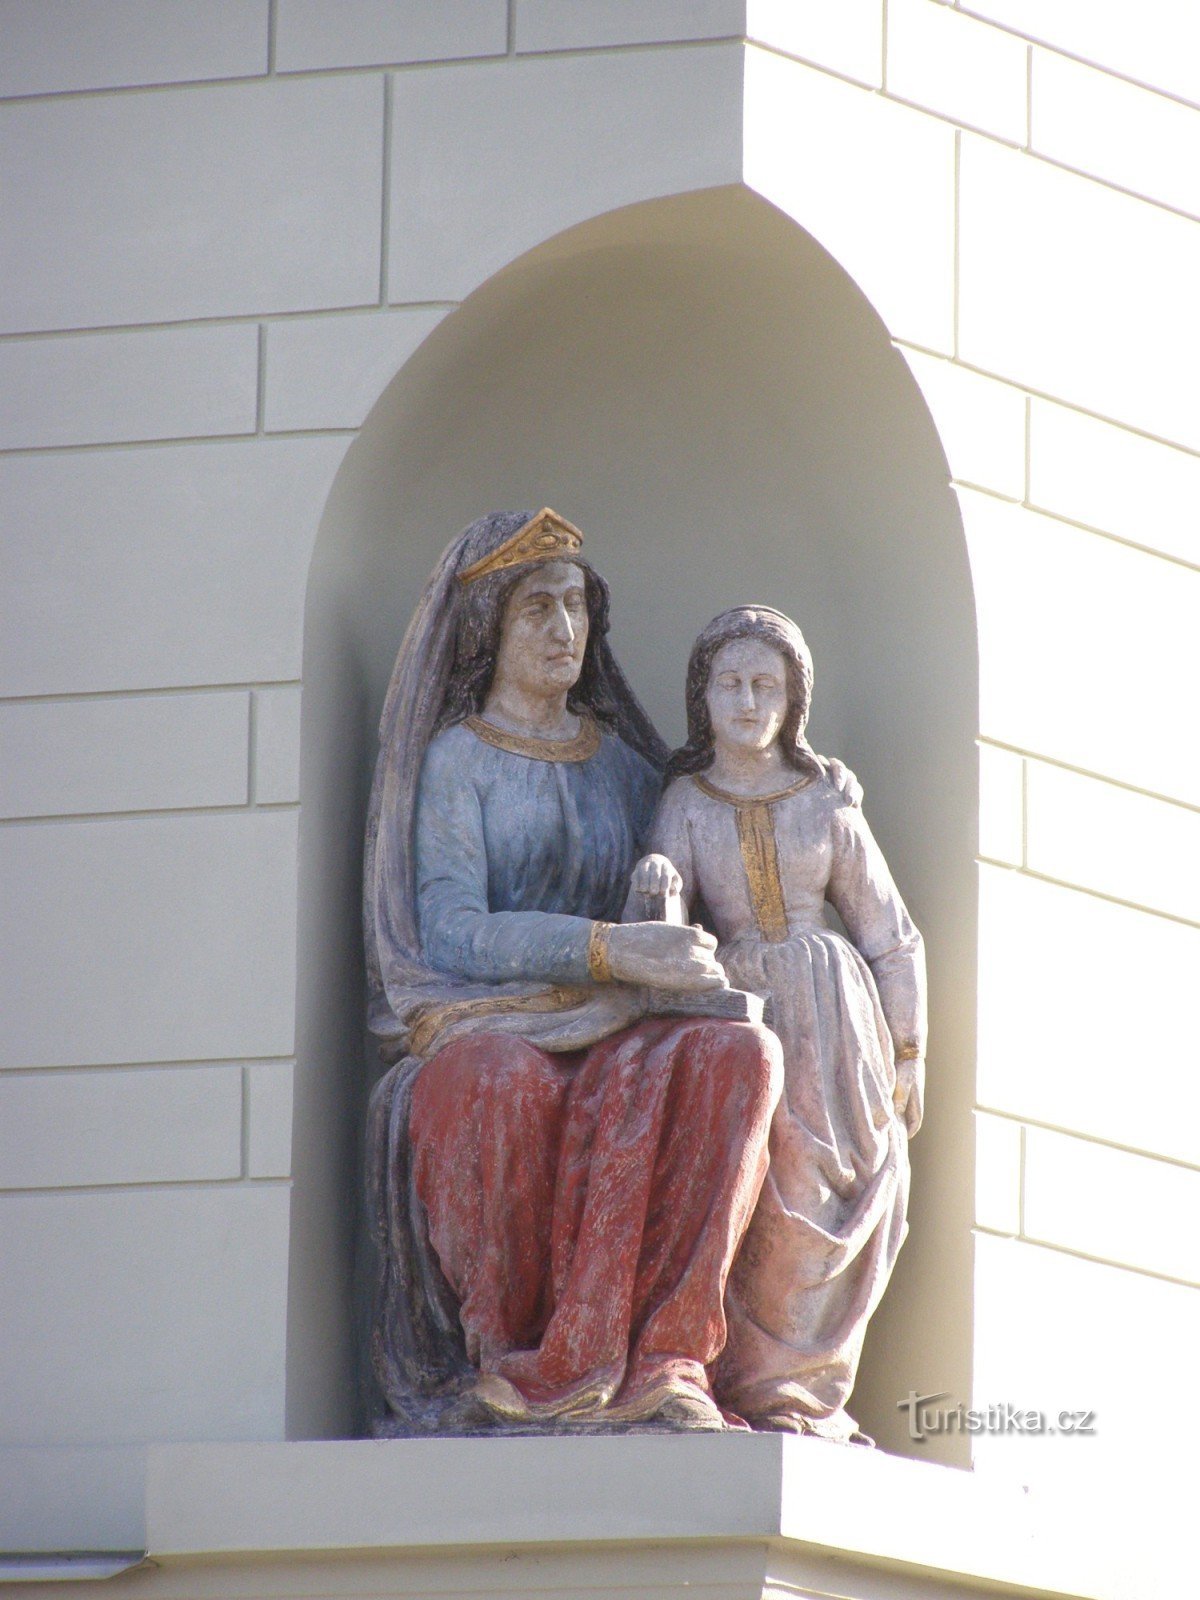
x: 909, y: 1053
x: 598, y: 967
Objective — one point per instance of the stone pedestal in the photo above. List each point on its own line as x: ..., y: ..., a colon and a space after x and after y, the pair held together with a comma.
x: 732, y: 1517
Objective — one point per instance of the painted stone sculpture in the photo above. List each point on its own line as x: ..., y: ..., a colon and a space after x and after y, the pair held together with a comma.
x: 560, y: 1178
x: 571, y: 1137
x: 751, y: 830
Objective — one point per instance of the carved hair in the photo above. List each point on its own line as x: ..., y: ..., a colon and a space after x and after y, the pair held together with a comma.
x: 782, y: 634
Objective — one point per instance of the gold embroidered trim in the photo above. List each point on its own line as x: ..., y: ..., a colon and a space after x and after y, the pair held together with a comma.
x: 731, y: 799
x: 756, y: 837
x: 760, y: 858
x: 432, y: 1021
x: 546, y: 537
x: 597, y: 958
x: 581, y: 748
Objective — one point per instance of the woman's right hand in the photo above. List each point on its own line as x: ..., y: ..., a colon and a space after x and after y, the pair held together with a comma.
x: 665, y: 956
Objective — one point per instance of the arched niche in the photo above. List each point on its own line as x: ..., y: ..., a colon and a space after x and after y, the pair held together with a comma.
x: 703, y: 390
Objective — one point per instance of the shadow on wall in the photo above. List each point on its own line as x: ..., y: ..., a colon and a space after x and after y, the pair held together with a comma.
x: 704, y: 391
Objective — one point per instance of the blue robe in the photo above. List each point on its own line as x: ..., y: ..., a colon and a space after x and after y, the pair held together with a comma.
x: 516, y: 856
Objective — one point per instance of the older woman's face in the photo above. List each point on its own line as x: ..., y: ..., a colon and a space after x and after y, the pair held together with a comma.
x: 747, y: 695
x: 545, y: 629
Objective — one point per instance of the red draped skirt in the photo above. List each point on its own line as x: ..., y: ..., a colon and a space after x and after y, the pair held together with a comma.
x: 586, y: 1208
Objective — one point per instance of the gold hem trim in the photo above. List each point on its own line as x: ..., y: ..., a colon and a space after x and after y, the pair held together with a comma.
x: 760, y: 859
x: 433, y: 1020
x: 731, y: 799
x: 597, y: 955
x: 581, y: 748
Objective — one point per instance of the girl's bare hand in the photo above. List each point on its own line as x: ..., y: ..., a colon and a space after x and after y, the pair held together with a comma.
x: 655, y: 875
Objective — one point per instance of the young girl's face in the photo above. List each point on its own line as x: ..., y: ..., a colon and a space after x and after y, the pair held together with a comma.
x: 747, y: 695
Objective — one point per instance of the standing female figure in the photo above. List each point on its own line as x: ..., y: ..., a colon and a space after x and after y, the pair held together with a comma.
x: 761, y: 840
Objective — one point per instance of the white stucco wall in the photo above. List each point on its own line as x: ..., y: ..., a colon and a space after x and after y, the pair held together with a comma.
x: 226, y: 228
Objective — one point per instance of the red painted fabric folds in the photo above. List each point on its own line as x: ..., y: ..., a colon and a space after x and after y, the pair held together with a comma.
x: 586, y: 1209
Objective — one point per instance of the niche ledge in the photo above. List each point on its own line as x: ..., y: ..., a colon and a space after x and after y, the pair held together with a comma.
x: 740, y: 1515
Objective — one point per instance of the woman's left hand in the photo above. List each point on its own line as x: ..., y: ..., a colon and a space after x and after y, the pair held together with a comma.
x: 843, y: 780
x: 909, y: 1094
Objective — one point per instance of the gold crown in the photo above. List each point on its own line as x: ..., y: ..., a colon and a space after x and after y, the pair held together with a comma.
x: 546, y: 537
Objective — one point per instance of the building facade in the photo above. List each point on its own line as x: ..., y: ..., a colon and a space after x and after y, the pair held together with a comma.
x: 882, y: 311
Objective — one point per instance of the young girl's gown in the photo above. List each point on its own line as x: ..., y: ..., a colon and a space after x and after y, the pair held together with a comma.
x: 831, y: 1216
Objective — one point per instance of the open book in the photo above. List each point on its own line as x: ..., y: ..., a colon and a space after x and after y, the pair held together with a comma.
x: 734, y: 1005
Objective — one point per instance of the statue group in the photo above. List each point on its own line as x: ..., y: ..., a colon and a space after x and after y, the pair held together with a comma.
x: 607, y: 1188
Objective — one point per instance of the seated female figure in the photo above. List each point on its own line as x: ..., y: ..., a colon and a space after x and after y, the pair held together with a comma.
x: 559, y: 1178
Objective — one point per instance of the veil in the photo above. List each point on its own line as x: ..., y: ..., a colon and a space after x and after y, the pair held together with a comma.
x: 410, y: 1006
x: 417, y: 1356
